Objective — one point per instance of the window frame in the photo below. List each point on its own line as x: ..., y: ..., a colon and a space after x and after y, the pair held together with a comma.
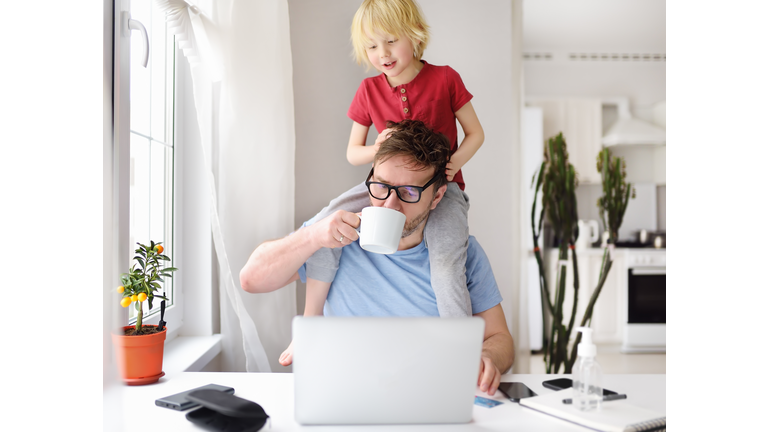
x: 192, y: 246
x: 169, y: 191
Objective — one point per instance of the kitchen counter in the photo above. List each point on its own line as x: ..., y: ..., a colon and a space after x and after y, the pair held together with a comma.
x: 610, y: 312
x: 599, y: 251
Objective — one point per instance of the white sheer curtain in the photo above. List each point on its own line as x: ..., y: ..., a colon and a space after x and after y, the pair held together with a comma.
x: 240, y: 57
x: 256, y: 158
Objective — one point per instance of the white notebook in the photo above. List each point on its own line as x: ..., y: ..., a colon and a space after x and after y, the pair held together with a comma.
x: 613, y: 416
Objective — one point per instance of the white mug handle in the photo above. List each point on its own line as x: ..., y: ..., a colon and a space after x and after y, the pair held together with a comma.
x: 360, y: 225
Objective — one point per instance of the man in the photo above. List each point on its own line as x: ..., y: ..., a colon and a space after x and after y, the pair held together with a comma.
x: 398, y: 284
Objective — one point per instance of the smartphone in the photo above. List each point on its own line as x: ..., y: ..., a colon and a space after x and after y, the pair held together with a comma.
x: 564, y: 383
x: 516, y: 391
x: 179, y: 401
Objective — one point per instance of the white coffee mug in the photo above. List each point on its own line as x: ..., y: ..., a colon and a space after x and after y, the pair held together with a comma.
x: 381, y: 229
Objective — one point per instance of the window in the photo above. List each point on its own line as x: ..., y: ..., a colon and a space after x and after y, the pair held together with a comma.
x: 151, y: 139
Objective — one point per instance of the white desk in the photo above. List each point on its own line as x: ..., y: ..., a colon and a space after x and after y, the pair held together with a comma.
x: 274, y: 392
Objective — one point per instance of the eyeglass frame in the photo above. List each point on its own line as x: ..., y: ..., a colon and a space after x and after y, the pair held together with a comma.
x: 421, y: 189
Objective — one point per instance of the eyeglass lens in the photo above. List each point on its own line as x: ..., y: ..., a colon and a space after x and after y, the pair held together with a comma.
x: 406, y: 193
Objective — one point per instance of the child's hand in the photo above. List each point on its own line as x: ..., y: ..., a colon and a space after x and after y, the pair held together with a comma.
x: 382, y: 137
x: 450, y: 170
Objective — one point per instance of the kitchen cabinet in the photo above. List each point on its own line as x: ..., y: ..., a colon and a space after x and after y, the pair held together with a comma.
x: 581, y: 122
x: 609, y: 313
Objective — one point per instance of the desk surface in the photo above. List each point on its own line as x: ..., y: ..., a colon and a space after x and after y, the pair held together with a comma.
x: 274, y: 392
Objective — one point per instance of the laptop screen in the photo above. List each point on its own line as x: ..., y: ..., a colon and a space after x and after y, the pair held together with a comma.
x: 385, y: 370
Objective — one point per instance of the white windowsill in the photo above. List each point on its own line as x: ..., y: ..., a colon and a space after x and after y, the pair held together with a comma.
x: 190, y: 353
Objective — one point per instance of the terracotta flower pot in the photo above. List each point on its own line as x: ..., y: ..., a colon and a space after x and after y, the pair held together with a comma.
x: 139, y: 358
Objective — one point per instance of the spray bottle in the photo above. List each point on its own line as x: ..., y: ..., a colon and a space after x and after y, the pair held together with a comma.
x: 587, y: 374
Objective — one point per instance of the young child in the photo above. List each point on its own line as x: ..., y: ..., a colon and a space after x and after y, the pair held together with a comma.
x: 391, y: 36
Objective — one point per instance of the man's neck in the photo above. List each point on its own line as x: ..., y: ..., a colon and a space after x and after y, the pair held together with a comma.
x: 414, y: 239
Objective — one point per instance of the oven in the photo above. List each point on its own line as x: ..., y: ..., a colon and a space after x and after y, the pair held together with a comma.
x: 645, y: 329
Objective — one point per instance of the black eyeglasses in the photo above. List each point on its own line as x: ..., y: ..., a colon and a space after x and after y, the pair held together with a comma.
x: 409, y: 194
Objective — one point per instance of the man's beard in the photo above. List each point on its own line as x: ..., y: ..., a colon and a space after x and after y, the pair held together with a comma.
x: 410, y: 227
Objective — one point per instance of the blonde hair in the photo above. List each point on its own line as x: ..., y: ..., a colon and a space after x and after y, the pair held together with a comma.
x: 401, y: 18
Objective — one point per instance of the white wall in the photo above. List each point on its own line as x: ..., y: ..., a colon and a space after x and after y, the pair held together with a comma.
x: 475, y: 38
x: 325, y: 78
x: 644, y: 83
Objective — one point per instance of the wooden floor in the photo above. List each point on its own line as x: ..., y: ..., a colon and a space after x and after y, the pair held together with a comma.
x: 613, y: 361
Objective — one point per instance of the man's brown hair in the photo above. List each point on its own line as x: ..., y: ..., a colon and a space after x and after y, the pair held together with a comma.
x: 422, y: 146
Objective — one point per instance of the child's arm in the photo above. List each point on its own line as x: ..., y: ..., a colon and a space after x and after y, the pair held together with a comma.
x: 357, y: 152
x: 317, y: 292
x: 473, y: 139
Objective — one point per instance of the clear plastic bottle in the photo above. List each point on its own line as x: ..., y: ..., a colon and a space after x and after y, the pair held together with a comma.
x: 587, y: 374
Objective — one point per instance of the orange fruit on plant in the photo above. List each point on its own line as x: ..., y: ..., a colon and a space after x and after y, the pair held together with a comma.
x: 120, y: 289
x: 125, y: 302
x: 134, y: 298
x: 142, y: 297
x: 159, y: 248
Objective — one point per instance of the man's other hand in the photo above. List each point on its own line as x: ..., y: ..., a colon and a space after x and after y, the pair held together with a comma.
x: 489, y: 377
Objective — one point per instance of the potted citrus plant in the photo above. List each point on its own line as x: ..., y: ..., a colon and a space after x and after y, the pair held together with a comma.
x: 139, y: 348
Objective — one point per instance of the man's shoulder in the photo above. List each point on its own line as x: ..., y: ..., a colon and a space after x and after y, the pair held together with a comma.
x: 474, y: 245
x: 481, y: 283
x: 476, y: 254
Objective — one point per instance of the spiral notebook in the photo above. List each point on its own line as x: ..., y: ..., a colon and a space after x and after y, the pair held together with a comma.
x: 614, y: 416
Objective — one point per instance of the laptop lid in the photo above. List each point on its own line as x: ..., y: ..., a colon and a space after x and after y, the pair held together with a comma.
x: 355, y: 370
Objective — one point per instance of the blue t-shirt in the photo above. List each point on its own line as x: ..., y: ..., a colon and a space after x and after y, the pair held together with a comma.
x: 369, y: 284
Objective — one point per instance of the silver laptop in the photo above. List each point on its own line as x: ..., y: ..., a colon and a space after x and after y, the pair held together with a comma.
x: 385, y: 370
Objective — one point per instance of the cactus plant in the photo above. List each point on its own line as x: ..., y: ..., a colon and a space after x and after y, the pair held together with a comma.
x: 612, y: 205
x: 557, y: 180
x: 616, y: 192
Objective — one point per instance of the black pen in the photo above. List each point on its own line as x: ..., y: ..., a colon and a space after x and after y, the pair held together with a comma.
x: 605, y: 398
